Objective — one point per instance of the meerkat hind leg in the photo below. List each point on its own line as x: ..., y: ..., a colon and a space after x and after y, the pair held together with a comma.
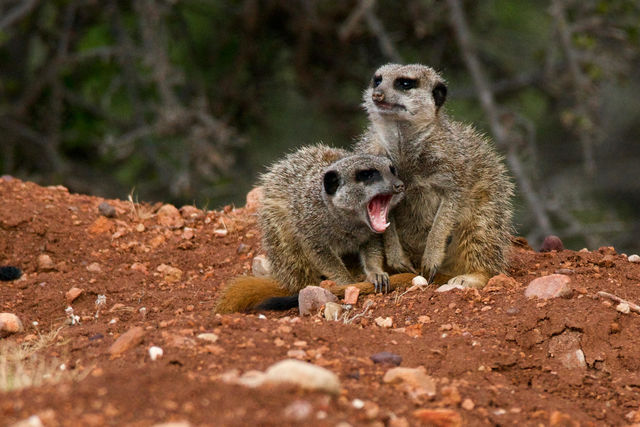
x: 470, y: 280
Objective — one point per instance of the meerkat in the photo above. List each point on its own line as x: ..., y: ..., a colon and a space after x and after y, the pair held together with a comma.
x: 455, y: 217
x: 319, y: 204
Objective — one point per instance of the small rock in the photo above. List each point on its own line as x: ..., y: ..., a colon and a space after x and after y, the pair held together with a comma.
x: 94, y: 267
x: 566, y: 348
x: 254, y: 199
x: 634, y: 258
x: 551, y: 243
x: 155, y: 352
x: 398, y: 422
x: 243, y: 249
x: 298, y: 410
x: 9, y: 324
x: 468, y: 404
x: 501, y: 281
x: 45, y: 263
x: 208, y: 336
x: 384, y: 322
x: 297, y: 353
x: 129, y: 339
x: 623, y: 307
x: 136, y: 266
x: 546, y: 287
x: 448, y: 287
x: 311, y: 298
x: 332, y: 311
x: 173, y: 424
x: 351, y: 294
x: 107, y: 210
x: 416, y: 378
x: 72, y: 294
x: 419, y: 281
x: 187, y: 233
x: 261, y: 267
x: 386, y: 357
x: 438, y: 417
x: 169, y: 216
x: 170, y: 274
x: 560, y: 419
x: 303, y: 374
x: 191, y: 213
x: 32, y: 421
x: 140, y: 227
x: 221, y: 232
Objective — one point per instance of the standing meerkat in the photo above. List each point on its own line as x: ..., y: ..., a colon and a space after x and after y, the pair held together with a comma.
x: 318, y: 205
x: 456, y: 215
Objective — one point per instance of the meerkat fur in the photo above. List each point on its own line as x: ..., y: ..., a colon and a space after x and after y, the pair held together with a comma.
x: 456, y: 215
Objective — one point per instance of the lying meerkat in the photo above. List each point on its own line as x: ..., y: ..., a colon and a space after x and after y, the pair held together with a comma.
x: 319, y: 204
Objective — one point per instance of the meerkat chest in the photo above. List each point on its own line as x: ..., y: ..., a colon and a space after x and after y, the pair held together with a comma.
x: 414, y: 217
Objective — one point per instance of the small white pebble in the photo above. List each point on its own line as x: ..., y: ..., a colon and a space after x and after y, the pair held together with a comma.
x: 261, y: 316
x: 221, y: 232
x: 113, y: 321
x: 155, y: 352
x: 62, y: 367
x: 634, y: 258
x: 357, y: 403
x: 419, y: 281
x: 623, y: 307
x: 34, y: 323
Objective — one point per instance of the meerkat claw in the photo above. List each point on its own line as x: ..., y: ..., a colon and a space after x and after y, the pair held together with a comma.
x: 432, y: 274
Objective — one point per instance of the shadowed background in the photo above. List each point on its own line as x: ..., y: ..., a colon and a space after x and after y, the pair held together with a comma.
x: 186, y: 101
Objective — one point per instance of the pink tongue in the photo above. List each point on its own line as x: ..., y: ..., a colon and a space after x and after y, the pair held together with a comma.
x: 377, y: 209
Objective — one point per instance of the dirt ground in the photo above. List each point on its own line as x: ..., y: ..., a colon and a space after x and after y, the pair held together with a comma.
x: 496, y: 356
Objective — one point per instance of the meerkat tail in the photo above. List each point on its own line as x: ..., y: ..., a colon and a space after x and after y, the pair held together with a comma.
x: 246, y: 292
x: 9, y: 273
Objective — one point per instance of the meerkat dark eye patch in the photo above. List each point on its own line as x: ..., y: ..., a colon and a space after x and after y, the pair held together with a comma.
x: 439, y: 94
x: 404, y: 83
x: 376, y: 81
x: 331, y: 182
x: 368, y: 176
x: 393, y: 170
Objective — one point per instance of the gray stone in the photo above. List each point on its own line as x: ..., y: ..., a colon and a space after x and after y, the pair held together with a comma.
x: 9, y: 324
x: 304, y: 375
x: 332, y: 311
x: 261, y: 267
x: 634, y: 258
x: 107, y: 210
x: 566, y: 348
x: 386, y: 357
x: 312, y: 298
x: 547, y: 287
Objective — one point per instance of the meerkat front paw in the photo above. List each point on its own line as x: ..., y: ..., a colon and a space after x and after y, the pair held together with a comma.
x: 380, y: 281
x: 471, y: 280
x: 400, y: 263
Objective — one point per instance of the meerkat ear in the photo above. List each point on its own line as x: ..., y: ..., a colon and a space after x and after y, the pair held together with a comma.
x: 439, y: 94
x: 331, y: 182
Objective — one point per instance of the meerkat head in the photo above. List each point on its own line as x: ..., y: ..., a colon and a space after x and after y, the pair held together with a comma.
x: 362, y: 189
x: 411, y: 93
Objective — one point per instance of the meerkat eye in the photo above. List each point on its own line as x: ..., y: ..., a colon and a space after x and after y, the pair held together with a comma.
x: 368, y: 175
x: 376, y: 81
x: 393, y: 170
x: 403, y: 83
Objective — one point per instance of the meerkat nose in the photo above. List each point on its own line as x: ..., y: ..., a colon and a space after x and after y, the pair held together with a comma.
x: 377, y: 96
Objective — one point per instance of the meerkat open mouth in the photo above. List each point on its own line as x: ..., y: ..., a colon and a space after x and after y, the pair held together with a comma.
x: 378, y: 209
